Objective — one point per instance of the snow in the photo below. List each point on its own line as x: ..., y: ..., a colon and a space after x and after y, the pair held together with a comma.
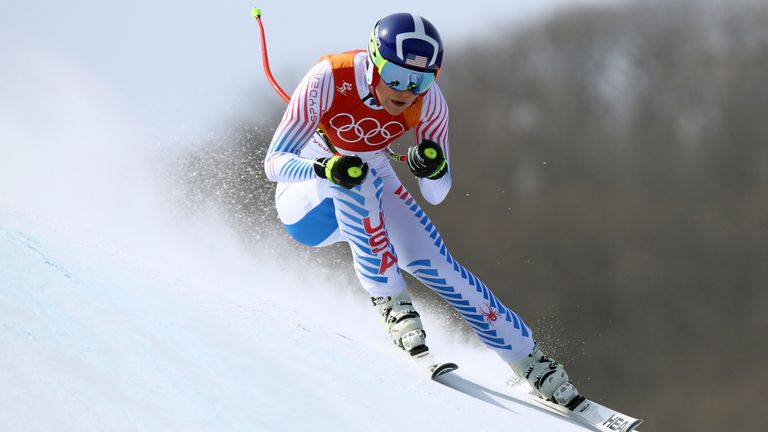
x: 119, y: 312
x: 97, y: 336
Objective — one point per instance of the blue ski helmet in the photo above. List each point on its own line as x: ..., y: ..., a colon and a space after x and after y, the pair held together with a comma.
x: 405, y: 50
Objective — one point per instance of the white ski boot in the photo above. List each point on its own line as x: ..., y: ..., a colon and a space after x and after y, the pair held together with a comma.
x: 548, y: 378
x: 403, y: 322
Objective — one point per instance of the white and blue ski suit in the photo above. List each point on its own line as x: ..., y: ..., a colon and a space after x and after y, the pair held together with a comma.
x: 386, y: 229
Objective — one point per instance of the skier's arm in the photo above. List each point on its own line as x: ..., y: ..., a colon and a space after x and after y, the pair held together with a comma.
x: 434, y: 127
x: 310, y: 99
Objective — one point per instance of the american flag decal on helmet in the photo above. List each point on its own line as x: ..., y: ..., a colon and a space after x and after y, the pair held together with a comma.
x: 416, y: 60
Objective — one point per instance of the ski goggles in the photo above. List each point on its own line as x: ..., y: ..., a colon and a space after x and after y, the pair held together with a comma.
x: 401, y: 78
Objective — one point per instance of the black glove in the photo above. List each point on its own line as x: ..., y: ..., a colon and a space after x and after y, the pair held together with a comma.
x: 427, y: 160
x: 345, y: 171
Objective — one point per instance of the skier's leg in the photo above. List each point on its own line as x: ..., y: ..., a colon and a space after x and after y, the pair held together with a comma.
x: 305, y: 208
x: 361, y: 223
x: 423, y: 254
x: 307, y: 214
x: 318, y: 213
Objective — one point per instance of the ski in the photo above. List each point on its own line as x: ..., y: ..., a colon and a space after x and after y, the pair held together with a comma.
x: 434, y: 367
x: 442, y: 368
x: 593, y: 414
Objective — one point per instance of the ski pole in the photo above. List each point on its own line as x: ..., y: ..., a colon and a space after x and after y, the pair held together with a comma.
x: 256, y: 14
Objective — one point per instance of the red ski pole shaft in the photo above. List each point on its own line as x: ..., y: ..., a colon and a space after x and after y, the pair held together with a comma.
x: 256, y: 13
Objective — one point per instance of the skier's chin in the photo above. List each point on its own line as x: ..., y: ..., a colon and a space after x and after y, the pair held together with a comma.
x: 395, y: 107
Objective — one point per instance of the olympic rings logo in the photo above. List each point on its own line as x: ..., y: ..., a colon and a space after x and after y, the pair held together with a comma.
x: 367, y: 129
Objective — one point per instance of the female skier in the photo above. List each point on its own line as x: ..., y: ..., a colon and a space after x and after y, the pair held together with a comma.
x: 331, y: 160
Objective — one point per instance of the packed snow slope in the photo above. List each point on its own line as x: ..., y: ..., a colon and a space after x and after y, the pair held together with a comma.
x: 98, y: 336
x: 119, y: 312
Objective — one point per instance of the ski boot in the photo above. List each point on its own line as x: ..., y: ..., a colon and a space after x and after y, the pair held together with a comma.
x: 548, y: 378
x: 403, y: 323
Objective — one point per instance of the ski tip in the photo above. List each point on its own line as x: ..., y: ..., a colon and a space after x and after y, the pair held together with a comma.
x: 443, y: 368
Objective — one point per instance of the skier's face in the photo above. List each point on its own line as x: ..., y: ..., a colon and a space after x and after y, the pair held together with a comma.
x: 393, y: 101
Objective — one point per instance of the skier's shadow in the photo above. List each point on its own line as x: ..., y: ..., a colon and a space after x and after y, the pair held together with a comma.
x: 475, y: 390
